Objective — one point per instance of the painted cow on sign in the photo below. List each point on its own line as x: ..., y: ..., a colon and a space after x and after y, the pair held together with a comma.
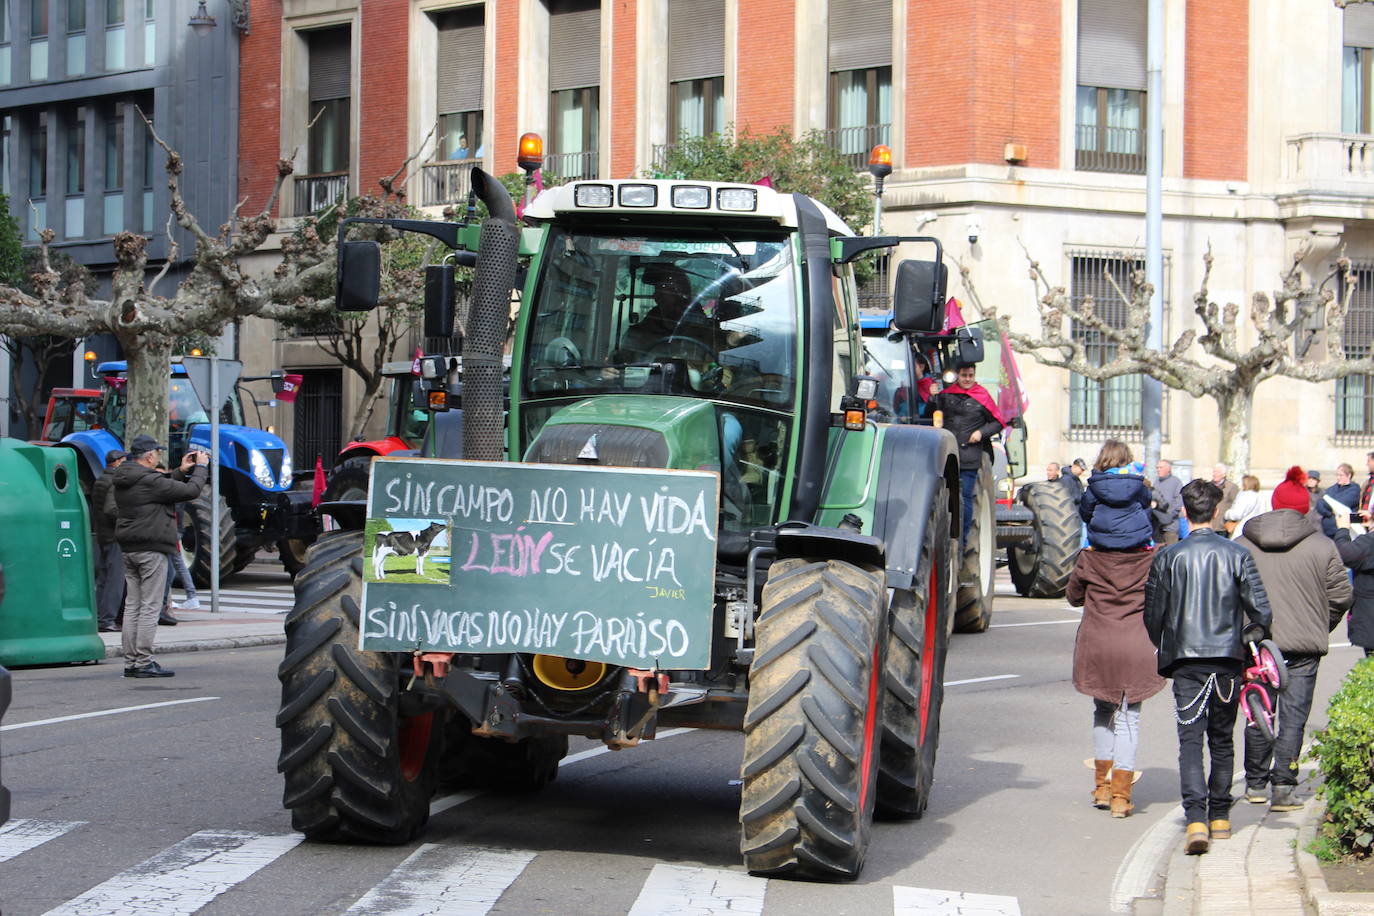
x: 403, y: 544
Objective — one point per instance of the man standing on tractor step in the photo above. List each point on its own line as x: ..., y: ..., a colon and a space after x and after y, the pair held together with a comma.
x: 1198, y: 597
x: 971, y: 415
x: 1310, y: 592
x: 147, y: 533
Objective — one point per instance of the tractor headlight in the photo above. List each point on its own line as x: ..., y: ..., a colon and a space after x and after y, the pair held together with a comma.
x: 286, y: 470
x: 262, y: 473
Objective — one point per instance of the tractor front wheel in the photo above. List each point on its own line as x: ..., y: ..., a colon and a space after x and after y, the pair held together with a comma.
x: 349, y: 480
x: 973, y: 606
x: 198, y: 539
x: 917, y: 642
x: 810, y: 768
x: 355, y: 769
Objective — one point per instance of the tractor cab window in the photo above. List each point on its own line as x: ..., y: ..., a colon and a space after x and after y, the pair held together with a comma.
x: 901, y: 395
x: 708, y: 316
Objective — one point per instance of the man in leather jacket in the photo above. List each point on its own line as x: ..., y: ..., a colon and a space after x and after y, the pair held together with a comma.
x: 970, y: 414
x: 1198, y: 598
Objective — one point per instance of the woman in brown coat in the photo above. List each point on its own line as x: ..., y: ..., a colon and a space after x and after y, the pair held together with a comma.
x: 1114, y: 663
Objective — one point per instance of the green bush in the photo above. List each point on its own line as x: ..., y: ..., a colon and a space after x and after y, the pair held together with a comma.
x: 1345, y: 751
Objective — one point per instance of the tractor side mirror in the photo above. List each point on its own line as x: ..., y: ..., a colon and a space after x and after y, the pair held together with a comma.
x: 918, y: 302
x: 360, y: 276
x: 1015, y: 442
x: 439, y: 300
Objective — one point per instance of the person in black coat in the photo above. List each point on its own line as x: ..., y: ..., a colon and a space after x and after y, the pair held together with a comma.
x: 1358, y: 556
x: 970, y: 414
x: 1344, y: 491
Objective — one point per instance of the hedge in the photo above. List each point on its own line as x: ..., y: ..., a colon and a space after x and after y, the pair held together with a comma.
x: 1345, y: 751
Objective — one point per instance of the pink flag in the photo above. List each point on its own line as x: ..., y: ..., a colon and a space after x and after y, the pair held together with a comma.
x: 318, y: 490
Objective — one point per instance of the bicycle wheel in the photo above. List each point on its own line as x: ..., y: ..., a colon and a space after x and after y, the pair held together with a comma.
x: 1276, y: 669
x: 1258, y: 714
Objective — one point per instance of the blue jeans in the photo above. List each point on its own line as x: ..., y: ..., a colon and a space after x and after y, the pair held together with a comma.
x: 1116, y: 732
x: 968, y: 482
x: 1293, y: 705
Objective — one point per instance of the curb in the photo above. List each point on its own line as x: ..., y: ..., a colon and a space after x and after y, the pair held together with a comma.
x: 1314, y: 887
x: 205, y: 645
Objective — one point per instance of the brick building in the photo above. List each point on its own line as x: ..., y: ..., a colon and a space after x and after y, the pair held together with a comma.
x: 1012, y: 125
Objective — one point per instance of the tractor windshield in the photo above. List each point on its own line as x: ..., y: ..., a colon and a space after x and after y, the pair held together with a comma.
x: 703, y: 314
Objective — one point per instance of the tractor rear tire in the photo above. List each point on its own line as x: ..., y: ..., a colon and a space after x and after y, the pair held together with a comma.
x: 1040, y: 567
x: 917, y: 642
x: 198, y: 539
x: 810, y: 768
x: 355, y: 769
x: 973, y: 605
x: 349, y: 480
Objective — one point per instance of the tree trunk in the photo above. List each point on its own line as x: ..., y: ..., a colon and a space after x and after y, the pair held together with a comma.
x: 363, y: 413
x: 149, y: 368
x: 1234, y: 409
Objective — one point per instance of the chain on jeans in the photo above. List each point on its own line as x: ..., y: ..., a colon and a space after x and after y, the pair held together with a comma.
x: 1208, y: 687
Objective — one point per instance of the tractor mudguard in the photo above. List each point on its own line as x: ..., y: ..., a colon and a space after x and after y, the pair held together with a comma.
x: 803, y: 540
x: 915, y: 461
x: 92, y: 444
x: 373, y: 448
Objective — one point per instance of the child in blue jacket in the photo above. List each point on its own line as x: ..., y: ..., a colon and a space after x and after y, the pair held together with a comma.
x: 1116, y: 503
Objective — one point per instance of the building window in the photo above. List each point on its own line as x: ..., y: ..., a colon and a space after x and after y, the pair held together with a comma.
x: 328, y: 147
x: 1110, y: 407
x: 696, y: 67
x: 459, y: 84
x: 1357, y: 69
x: 114, y: 169
x: 1355, y: 393
x: 574, y: 88
x: 74, y: 212
x: 38, y: 40
x: 114, y: 35
x: 1109, y: 132
x: 37, y: 214
x: 76, y: 37
x: 5, y: 56
x: 860, y: 90
x: 149, y: 34
x: 151, y: 162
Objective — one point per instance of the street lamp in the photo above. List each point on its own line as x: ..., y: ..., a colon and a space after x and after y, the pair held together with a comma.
x: 879, y: 166
x: 201, y: 21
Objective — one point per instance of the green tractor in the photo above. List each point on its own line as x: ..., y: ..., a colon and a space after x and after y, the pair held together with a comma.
x: 668, y: 331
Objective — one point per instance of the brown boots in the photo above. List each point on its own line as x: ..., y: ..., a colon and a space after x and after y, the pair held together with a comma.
x: 1121, y: 793
x: 1102, y: 791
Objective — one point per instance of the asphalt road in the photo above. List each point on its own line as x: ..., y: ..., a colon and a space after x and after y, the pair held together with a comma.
x: 176, y: 808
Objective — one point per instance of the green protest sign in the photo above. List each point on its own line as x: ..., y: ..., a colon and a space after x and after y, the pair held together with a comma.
x: 604, y: 564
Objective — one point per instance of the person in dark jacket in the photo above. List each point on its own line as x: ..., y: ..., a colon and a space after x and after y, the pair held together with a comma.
x: 1116, y: 503
x: 1114, y: 663
x: 1168, y: 504
x: 1344, y: 491
x: 147, y: 534
x: 1358, y: 556
x: 971, y: 415
x: 1309, y: 592
x: 109, y: 561
x: 1198, y: 598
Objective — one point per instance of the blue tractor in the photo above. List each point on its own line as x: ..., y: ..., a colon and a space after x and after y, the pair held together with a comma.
x: 258, y: 506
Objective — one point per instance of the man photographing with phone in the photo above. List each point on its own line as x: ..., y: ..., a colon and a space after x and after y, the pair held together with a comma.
x: 147, y: 533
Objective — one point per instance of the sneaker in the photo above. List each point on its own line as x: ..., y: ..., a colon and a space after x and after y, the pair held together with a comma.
x: 1255, y: 794
x: 153, y: 669
x: 109, y: 628
x: 130, y: 671
x: 1284, y: 799
x: 190, y: 604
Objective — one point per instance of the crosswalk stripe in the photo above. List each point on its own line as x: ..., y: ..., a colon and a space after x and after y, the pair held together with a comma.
x: 920, y: 901
x: 432, y: 882
x: 22, y: 834
x: 680, y: 890
x: 183, y: 878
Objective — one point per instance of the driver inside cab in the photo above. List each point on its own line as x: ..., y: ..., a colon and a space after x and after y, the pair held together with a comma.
x: 675, y: 327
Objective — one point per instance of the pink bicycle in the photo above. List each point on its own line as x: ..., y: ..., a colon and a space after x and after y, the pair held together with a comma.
x: 1270, y: 670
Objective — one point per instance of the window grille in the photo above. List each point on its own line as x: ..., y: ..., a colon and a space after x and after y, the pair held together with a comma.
x: 1355, y: 393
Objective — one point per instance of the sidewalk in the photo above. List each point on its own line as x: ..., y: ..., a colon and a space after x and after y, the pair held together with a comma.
x: 201, y: 630
x: 1264, y: 868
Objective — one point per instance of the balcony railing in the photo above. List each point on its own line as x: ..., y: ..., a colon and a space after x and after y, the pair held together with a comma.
x: 446, y: 182
x: 1110, y: 149
x: 856, y: 143
x: 572, y: 166
x: 315, y: 192
x: 1315, y: 158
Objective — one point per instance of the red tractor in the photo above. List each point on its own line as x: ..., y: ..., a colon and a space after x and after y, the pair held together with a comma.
x: 70, y: 410
x: 405, y: 430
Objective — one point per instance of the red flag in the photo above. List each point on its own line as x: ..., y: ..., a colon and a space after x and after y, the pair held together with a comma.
x: 318, y: 490
x: 415, y: 363
x: 290, y: 387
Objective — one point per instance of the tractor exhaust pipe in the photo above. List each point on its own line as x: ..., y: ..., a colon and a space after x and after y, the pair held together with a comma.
x: 484, y: 436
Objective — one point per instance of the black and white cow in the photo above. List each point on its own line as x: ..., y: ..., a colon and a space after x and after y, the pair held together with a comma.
x: 403, y: 544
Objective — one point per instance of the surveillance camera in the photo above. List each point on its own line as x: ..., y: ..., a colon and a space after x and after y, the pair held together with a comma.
x: 975, y: 229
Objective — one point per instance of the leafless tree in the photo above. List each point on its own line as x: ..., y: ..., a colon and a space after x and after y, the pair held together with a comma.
x: 1216, y: 363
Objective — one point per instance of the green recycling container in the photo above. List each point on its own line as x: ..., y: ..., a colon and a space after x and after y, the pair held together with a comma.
x: 48, y: 614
